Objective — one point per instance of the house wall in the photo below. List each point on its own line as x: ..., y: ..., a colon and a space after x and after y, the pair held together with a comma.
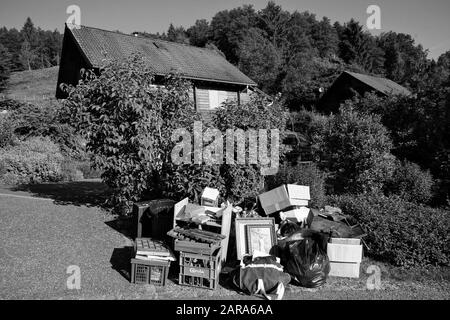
x: 70, y: 65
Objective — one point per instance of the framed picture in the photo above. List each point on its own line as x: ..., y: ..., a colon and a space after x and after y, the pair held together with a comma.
x: 242, y: 245
x: 260, y: 237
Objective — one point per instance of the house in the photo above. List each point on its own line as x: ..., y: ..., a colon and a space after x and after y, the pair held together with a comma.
x: 348, y: 83
x: 214, y: 78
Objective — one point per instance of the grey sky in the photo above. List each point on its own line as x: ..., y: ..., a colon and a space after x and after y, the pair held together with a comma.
x: 427, y: 21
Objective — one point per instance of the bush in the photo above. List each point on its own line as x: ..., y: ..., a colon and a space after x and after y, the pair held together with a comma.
x: 88, y: 171
x: 6, y: 131
x: 128, y: 124
x: 70, y: 171
x: 355, y: 151
x: 302, y: 174
x: 400, y: 232
x: 35, y: 160
x: 411, y: 183
x: 259, y: 114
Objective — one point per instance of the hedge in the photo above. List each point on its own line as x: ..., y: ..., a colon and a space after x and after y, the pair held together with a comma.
x: 400, y: 232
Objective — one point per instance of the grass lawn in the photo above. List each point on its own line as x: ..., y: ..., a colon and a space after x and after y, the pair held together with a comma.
x: 35, y: 86
x: 46, y: 228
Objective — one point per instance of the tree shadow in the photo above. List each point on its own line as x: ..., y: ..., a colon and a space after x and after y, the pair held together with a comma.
x: 124, y: 225
x: 89, y: 193
x: 120, y: 261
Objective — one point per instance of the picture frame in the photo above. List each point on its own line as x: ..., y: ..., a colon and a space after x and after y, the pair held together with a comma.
x: 260, y: 237
x: 242, y: 247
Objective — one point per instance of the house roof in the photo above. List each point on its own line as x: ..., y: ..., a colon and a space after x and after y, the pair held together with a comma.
x: 164, y: 57
x: 383, y: 85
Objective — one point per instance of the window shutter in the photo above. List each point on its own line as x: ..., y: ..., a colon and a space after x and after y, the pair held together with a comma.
x: 202, y: 99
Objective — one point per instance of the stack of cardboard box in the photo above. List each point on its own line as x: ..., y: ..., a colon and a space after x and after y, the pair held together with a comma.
x: 292, y: 200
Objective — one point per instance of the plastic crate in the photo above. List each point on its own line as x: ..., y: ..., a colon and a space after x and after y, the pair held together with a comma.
x: 199, y: 270
x: 149, y: 272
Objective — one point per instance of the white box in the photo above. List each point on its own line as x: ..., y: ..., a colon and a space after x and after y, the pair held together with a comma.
x: 344, y: 269
x: 344, y: 252
x: 210, y: 197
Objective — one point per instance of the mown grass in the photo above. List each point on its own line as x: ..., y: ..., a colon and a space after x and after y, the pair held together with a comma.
x: 35, y: 86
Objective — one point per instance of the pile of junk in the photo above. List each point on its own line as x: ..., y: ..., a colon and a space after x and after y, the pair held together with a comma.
x: 257, y: 247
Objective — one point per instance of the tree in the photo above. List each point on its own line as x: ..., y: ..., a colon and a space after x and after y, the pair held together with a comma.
x: 27, y: 55
x: 228, y: 28
x: 359, y: 47
x: 325, y: 38
x: 274, y: 21
x: 405, y: 62
x: 29, y: 32
x: 5, y: 65
x: 12, y: 40
x: 260, y: 60
x: 198, y: 33
x: 177, y: 34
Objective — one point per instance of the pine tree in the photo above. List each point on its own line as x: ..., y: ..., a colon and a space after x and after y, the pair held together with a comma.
x: 5, y: 65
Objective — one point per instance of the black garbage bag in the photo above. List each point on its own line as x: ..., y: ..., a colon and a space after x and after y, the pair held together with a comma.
x: 305, y: 258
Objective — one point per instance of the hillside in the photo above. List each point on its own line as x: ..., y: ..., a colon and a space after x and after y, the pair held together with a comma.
x: 35, y: 86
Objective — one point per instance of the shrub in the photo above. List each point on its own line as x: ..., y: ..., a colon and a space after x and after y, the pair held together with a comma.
x: 6, y: 131
x: 35, y: 160
x: 70, y: 171
x: 355, y: 151
x: 261, y: 115
x: 303, y: 174
x: 29, y: 120
x: 88, y: 171
x: 411, y: 183
x: 128, y: 124
x: 400, y: 232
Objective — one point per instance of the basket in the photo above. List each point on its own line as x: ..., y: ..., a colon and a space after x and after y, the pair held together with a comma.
x: 199, y: 270
x: 149, y: 272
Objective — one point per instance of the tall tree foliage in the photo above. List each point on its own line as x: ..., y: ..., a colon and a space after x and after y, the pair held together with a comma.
x: 228, y: 28
x: 359, y: 47
x: 31, y: 47
x: 198, y: 34
x: 5, y: 65
x: 405, y: 62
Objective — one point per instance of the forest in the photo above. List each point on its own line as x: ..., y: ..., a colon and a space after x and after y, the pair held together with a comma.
x: 288, y: 53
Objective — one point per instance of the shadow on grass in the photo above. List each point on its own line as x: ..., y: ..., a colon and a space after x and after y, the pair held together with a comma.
x: 88, y: 193
x: 126, y: 226
x: 120, y: 261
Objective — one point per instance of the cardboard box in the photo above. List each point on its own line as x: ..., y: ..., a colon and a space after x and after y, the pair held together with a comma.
x: 345, y: 256
x: 284, y: 196
x: 344, y: 269
x: 210, y: 197
x: 344, y: 250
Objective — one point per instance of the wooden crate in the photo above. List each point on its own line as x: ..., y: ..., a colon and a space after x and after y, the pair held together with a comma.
x: 222, y: 226
x: 196, y: 247
x: 199, y: 270
x: 149, y: 272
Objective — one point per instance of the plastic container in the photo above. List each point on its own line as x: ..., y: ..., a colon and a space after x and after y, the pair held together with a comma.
x: 149, y: 272
x: 199, y: 270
